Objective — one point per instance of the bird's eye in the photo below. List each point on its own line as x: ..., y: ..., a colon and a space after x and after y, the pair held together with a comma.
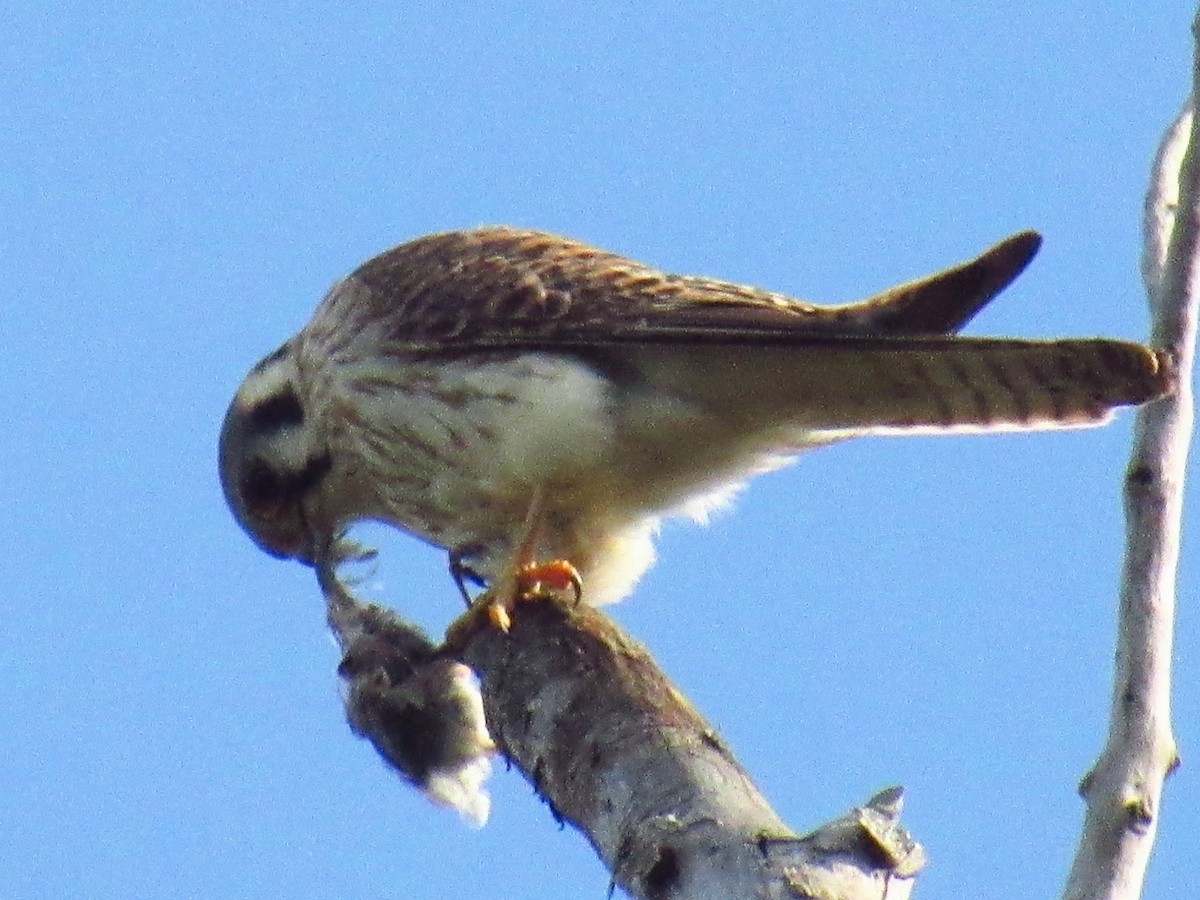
x: 276, y: 413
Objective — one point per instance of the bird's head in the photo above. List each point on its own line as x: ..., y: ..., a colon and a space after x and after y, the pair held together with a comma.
x: 273, y: 463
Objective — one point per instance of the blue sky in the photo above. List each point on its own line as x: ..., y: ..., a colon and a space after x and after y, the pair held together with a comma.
x: 182, y: 184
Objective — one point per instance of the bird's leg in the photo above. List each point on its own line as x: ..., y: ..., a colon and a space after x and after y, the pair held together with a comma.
x: 530, y: 577
x: 462, y: 572
x: 523, y: 578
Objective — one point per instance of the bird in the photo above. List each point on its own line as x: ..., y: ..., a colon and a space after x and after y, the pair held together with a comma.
x: 511, y: 396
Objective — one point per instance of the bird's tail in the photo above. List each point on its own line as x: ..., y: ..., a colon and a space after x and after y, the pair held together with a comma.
x: 863, y: 385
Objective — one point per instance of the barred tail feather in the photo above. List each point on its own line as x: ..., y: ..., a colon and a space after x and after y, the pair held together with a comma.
x: 868, y: 385
x: 981, y: 385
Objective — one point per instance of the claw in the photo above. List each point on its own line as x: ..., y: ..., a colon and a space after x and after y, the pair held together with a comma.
x: 555, y: 575
x: 527, y: 583
x: 498, y: 615
x: 524, y: 581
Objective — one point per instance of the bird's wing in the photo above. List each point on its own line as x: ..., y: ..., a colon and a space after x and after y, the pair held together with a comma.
x: 885, y: 362
x: 499, y: 288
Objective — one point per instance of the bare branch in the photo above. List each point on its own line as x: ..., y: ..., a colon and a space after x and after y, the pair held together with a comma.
x: 584, y: 714
x: 1124, y: 789
x: 617, y: 751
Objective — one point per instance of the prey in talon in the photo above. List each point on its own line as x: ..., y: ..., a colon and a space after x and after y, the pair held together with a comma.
x: 451, y: 384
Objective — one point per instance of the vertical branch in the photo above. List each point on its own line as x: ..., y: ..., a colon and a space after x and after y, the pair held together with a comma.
x: 1124, y: 789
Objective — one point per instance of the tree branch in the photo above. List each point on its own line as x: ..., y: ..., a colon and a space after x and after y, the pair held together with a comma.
x: 617, y: 751
x: 582, y: 711
x: 1124, y: 789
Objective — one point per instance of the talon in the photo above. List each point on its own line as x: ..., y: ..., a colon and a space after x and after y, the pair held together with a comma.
x: 487, y: 609
x: 523, y: 580
x: 555, y: 575
x: 497, y: 614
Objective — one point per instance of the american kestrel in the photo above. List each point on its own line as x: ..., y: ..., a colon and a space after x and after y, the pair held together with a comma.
x: 448, y: 383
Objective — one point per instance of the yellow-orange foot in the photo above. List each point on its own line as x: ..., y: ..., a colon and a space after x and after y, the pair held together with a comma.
x: 523, y: 579
x: 526, y: 582
x: 556, y: 575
